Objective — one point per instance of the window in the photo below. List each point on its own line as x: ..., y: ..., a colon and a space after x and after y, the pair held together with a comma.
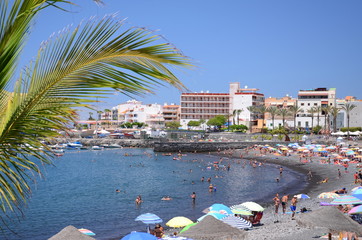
x: 299, y: 124
x: 315, y: 104
x: 308, y: 104
x: 302, y: 104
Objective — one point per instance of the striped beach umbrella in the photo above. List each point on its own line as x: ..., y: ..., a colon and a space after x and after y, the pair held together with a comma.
x: 328, y: 195
x: 149, y: 218
x: 356, y: 210
x: 236, y: 222
x: 86, y: 232
x: 346, y: 199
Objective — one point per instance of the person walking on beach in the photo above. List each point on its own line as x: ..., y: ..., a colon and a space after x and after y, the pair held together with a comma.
x: 339, y: 173
x: 293, y: 206
x: 285, y: 202
x: 281, y: 170
x: 310, y: 175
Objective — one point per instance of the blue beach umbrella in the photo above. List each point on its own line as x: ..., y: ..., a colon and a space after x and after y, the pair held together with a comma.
x: 357, y: 193
x: 220, y: 208
x: 139, y: 236
x: 149, y: 218
x: 302, y: 196
x: 215, y: 215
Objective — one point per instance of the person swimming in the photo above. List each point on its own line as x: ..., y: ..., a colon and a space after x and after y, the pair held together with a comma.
x: 166, y: 198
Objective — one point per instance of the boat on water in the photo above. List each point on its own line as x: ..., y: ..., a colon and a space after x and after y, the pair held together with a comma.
x: 74, y: 145
x: 60, y: 150
x: 97, y: 148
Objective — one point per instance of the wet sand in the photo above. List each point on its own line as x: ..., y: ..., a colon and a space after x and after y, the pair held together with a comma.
x: 286, y: 228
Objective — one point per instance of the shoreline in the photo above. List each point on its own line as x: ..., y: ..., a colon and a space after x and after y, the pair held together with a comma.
x: 287, y: 228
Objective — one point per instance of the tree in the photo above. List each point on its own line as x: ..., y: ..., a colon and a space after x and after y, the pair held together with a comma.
x: 193, y: 124
x: 295, y: 110
x: 217, y: 121
x: 252, y: 111
x: 326, y: 110
x: 284, y: 112
x: 334, y: 113
x: 318, y: 111
x: 67, y: 73
x: 90, y: 116
x: 348, y: 107
x: 238, y: 114
x: 235, y: 111
x: 173, y: 125
x: 273, y: 110
x: 312, y: 111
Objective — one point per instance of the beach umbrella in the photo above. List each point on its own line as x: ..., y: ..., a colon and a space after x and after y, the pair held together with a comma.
x: 356, y: 210
x: 139, y: 236
x: 177, y: 222
x: 346, y: 199
x: 86, y: 232
x: 188, y: 226
x: 149, y: 218
x: 328, y: 195
x: 345, y: 160
x: 236, y: 222
x: 252, y: 206
x: 220, y: 208
x: 355, y: 189
x: 242, y: 212
x: 357, y: 193
x: 215, y: 215
x: 302, y: 196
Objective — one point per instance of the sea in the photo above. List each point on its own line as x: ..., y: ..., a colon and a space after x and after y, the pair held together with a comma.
x: 80, y: 189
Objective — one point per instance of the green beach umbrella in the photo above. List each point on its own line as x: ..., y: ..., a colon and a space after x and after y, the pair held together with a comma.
x: 188, y: 226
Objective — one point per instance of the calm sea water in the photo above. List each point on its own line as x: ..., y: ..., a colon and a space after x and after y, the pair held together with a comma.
x: 80, y: 190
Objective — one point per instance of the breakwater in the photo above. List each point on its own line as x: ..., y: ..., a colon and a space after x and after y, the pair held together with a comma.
x: 205, y: 146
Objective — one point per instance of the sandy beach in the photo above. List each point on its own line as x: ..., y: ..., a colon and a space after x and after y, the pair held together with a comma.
x: 286, y: 228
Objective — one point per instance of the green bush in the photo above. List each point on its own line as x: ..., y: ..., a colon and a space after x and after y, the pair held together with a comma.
x: 351, y: 129
x: 316, y: 129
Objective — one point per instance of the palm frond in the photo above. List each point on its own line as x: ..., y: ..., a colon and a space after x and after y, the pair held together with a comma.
x: 70, y: 70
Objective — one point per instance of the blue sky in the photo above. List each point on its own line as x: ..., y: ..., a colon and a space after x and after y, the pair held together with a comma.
x: 278, y: 46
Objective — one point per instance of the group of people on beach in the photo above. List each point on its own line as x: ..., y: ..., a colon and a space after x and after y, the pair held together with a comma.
x: 284, y: 202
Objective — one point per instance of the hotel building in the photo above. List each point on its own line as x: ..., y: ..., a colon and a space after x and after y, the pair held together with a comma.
x: 319, y: 97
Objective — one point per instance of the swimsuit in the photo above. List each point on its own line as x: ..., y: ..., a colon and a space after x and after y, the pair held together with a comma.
x: 293, y: 208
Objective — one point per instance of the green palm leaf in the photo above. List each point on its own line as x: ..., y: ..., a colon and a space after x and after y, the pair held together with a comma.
x: 70, y: 70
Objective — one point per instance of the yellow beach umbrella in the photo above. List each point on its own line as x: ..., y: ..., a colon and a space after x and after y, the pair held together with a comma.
x: 177, y: 222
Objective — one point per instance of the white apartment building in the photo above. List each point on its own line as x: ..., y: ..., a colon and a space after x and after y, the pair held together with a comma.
x: 319, y: 97
x: 241, y: 99
x: 134, y: 111
x: 355, y: 116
